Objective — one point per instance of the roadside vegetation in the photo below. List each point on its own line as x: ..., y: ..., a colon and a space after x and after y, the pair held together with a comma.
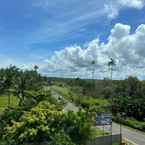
x: 31, y: 115
x: 124, y: 98
x: 47, y: 123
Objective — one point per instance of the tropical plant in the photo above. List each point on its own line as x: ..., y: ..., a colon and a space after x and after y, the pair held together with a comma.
x: 48, y: 123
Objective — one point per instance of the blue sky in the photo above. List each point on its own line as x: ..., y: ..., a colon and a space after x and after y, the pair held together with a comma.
x: 33, y: 31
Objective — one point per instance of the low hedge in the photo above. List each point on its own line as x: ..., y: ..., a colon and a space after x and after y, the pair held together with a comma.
x: 131, y: 122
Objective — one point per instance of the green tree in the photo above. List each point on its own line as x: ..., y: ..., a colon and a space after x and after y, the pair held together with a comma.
x: 48, y: 123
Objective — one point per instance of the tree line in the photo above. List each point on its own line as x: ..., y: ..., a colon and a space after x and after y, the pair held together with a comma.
x: 16, y: 81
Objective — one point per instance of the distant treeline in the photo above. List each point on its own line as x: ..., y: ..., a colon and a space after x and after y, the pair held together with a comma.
x: 15, y: 79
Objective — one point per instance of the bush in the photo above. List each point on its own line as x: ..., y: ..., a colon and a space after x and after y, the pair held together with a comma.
x: 48, y: 123
x: 32, y: 98
x: 140, y: 125
x: 7, y: 116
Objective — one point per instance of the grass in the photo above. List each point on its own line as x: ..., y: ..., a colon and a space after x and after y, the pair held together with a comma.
x: 99, y: 133
x: 94, y: 101
x: 4, y: 102
x: 131, y: 123
x: 64, y: 91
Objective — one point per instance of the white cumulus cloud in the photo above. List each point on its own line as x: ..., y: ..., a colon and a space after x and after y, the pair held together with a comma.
x: 113, y: 7
x: 128, y: 49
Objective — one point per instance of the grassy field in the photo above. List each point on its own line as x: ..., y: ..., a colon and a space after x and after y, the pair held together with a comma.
x: 4, y: 102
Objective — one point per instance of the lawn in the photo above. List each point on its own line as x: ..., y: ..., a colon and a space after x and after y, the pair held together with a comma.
x: 4, y: 102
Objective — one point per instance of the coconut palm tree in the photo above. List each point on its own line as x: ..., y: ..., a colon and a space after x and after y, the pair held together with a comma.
x: 93, y: 68
x: 111, y: 65
x: 36, y: 67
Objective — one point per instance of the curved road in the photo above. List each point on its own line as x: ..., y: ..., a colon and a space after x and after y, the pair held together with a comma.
x: 69, y: 106
x: 131, y: 134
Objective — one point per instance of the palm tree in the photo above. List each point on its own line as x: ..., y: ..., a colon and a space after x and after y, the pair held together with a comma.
x: 93, y: 72
x: 93, y: 68
x: 36, y: 67
x: 111, y: 64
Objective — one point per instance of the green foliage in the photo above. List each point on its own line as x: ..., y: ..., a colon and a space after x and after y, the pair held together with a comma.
x: 6, y: 78
x: 7, y: 116
x: 32, y: 98
x: 126, y: 96
x: 48, y: 123
x: 18, y: 81
x: 92, y: 88
x: 39, y: 118
x: 130, y: 99
x: 89, y: 103
x: 63, y: 90
x: 140, y: 125
x: 4, y: 101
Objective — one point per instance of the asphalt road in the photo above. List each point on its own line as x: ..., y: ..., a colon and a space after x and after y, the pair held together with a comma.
x: 134, y: 136
x: 69, y: 106
x: 131, y: 134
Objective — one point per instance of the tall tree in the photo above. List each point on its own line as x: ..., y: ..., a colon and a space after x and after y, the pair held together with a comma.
x: 111, y: 65
x: 36, y: 68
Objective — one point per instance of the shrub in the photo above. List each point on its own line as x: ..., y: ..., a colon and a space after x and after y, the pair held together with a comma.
x: 140, y: 125
x: 48, y: 123
x: 7, y: 116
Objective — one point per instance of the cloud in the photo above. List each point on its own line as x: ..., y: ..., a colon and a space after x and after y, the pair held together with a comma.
x: 128, y: 49
x: 8, y: 60
x: 63, y: 19
x: 114, y: 6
